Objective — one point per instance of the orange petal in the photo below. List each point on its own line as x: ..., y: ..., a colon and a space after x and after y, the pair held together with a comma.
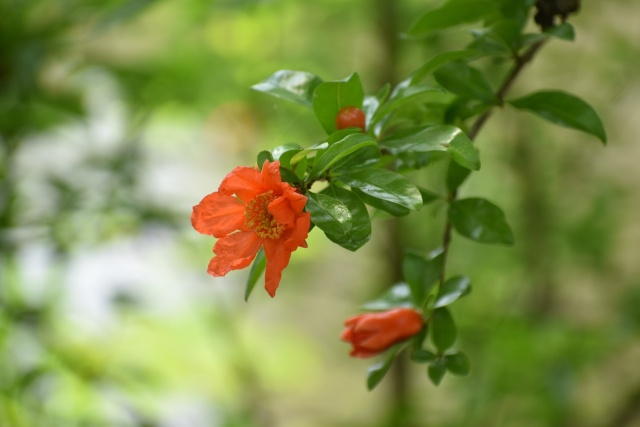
x: 282, y: 212
x: 277, y: 259
x: 296, y: 200
x: 271, y: 178
x: 218, y: 215
x: 244, y: 182
x: 234, y: 252
x: 296, y: 237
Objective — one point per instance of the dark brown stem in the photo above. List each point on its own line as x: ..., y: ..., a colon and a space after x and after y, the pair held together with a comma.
x: 520, y: 62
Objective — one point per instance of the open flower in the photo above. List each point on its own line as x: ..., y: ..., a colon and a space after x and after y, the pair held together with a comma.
x: 372, y: 333
x: 265, y: 212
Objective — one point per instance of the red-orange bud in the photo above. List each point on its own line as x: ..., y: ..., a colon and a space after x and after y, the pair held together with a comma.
x: 350, y: 117
x: 372, y: 333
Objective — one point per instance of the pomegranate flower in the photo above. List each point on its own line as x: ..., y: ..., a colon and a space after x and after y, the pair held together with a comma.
x: 265, y: 212
x: 373, y: 333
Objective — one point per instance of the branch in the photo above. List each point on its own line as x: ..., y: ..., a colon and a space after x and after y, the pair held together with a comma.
x: 520, y: 62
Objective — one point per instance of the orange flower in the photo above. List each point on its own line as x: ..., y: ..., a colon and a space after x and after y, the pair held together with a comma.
x: 372, y: 333
x: 264, y: 212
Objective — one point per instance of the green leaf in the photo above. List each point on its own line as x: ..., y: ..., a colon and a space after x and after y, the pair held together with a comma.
x: 296, y: 86
x: 377, y: 372
x: 423, y: 356
x: 563, y: 109
x: 257, y: 268
x: 262, y: 156
x: 428, y: 196
x: 330, y: 215
x: 443, y: 329
x: 480, y: 220
x: 463, y: 151
x: 360, y: 231
x: 413, y: 264
x: 398, y: 296
x: 432, y: 269
x: 451, y: 14
x: 281, y: 149
x: 331, y: 97
x: 392, y: 208
x: 438, y: 61
x: 458, y: 363
x: 456, y: 175
x: 465, y: 81
x: 403, y: 94
x: 385, y: 185
x: 452, y: 290
x: 563, y: 31
x: 437, y: 370
x: 339, y: 150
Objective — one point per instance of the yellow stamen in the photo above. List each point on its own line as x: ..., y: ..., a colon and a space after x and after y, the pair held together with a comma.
x: 258, y: 218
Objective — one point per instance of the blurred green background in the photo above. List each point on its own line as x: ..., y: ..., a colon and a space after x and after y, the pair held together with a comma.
x: 116, y: 117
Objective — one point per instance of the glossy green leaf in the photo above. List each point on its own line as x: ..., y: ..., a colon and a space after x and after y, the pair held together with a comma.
x: 563, y: 31
x: 443, y: 329
x: 360, y: 231
x: 386, y: 185
x: 331, y: 97
x: 281, y: 149
x: 339, y: 150
x: 438, y: 61
x: 451, y: 14
x: 437, y: 370
x: 563, y: 109
x: 330, y: 215
x: 465, y: 81
x: 480, y: 220
x: 458, y: 363
x: 392, y: 208
x: 456, y: 175
x: 463, y: 151
x: 257, y: 268
x: 296, y: 86
x: 398, y: 296
x: 377, y: 372
x: 432, y: 269
x: 452, y: 290
x: 423, y: 356
x: 285, y: 158
x: 304, y: 153
x: 300, y: 167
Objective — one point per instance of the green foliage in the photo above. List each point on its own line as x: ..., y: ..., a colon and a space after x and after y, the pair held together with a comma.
x: 257, y: 269
x: 480, y: 220
x: 563, y: 109
x: 295, y: 86
x: 331, y: 97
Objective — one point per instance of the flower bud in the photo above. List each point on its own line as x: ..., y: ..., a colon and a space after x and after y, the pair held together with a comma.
x: 372, y: 333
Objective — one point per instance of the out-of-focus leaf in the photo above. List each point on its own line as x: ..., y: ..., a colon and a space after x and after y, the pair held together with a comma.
x: 398, y: 296
x: 423, y: 356
x: 443, y: 329
x: 377, y: 372
x: 563, y: 109
x: 296, y: 86
x: 456, y: 175
x: 437, y: 370
x: 563, y: 31
x: 452, y: 290
x: 257, y: 268
x: 458, y: 363
x: 480, y: 220
x: 452, y: 13
x: 465, y: 81
x: 438, y: 61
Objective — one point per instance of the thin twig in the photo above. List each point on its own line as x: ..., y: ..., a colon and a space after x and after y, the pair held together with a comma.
x: 520, y: 62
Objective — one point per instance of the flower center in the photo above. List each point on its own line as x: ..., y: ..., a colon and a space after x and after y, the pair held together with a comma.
x: 258, y: 218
